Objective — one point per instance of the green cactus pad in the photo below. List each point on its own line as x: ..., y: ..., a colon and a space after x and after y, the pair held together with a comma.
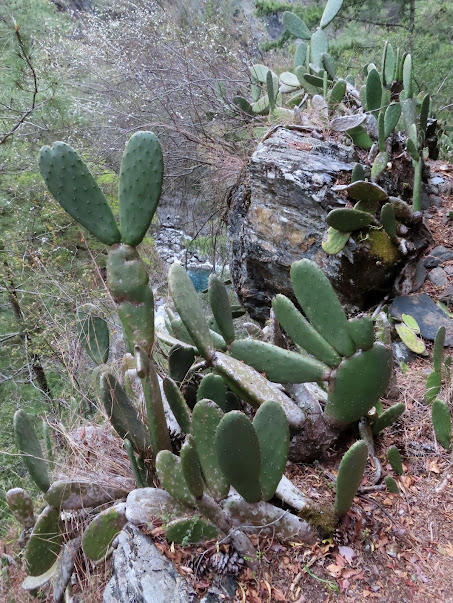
x: 77, y: 494
x: 171, y: 477
x: 232, y: 402
x: 180, y: 360
x: 410, y: 339
x: 190, y: 530
x: 360, y: 138
x: 220, y: 305
x: 191, y: 469
x: 438, y: 350
x: 379, y: 165
x: 336, y: 240
x: 71, y: 183
x: 320, y: 304
x: 271, y: 426
x: 243, y: 104
x: 407, y: 77
x: 21, y: 506
x: 433, y: 386
x: 389, y: 65
x: 140, y: 183
x: 289, y: 79
x: 423, y: 118
x: 388, y: 221
x: 212, y: 388
x: 157, y: 422
x: 391, y: 118
x: 347, y: 220
x: 331, y: 10
x: 188, y: 305
x: 238, y: 451
x: 272, y: 90
x: 255, y: 389
x: 127, y: 280
x: 337, y: 93
x: 99, y: 535
x: 318, y: 46
x: 295, y: 26
x: 258, y: 73
x: 350, y: 474
x: 30, y: 448
x: 363, y: 191
x: 279, y: 365
x: 302, y: 333
x: 359, y: 383
x: 93, y: 333
x: 388, y: 417
x: 44, y: 544
x: 391, y: 485
x: 412, y: 149
x: 358, y: 173
x: 394, y: 458
x: 178, y: 405
x: 313, y: 80
x: 206, y: 417
x: 122, y: 414
x: 261, y: 106
x: 140, y: 477
x: 373, y: 90
x: 329, y: 64
x: 362, y: 332
x: 300, y: 55
x: 440, y: 414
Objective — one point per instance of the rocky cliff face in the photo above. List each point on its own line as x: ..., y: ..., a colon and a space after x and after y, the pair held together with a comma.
x: 277, y: 216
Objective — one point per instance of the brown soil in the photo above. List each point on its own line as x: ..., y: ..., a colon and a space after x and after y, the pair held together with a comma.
x: 390, y: 548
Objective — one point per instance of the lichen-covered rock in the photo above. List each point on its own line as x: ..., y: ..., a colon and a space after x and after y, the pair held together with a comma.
x: 144, y: 505
x: 278, y: 215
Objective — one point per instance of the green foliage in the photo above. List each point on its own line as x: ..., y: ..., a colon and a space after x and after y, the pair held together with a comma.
x: 350, y: 474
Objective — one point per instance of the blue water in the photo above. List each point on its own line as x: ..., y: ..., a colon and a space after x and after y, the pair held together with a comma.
x: 199, y: 278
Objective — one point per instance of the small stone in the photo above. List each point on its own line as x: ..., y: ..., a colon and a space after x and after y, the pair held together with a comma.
x: 435, y: 201
x: 445, y: 188
x: 447, y: 295
x: 449, y: 269
x: 438, y: 255
x: 420, y: 275
x: 438, y: 277
x: 432, y: 189
x: 427, y: 314
x: 436, y: 180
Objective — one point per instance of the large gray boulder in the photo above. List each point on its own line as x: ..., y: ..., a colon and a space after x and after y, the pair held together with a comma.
x: 277, y: 216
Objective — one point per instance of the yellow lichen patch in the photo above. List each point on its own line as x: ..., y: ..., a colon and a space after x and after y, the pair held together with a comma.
x: 382, y: 247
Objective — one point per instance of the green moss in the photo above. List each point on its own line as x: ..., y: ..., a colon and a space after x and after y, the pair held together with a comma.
x: 382, y: 247
x: 321, y: 518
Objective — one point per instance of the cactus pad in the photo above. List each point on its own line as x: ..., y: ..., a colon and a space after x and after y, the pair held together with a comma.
x: 271, y: 427
x: 171, y: 477
x: 295, y: 26
x: 140, y: 183
x: 347, y: 220
x: 362, y: 332
x: 190, y: 530
x: 394, y: 458
x: 391, y: 485
x: 178, y: 405
x: 180, y: 360
x: 75, y: 494
x: 350, y: 474
x: 238, y: 451
x: 220, y: 305
x: 388, y: 417
x: 279, y: 365
x: 336, y: 240
x: 331, y: 10
x: 21, y: 506
x: 99, y: 535
x: 212, y: 388
x: 44, y: 544
x: 391, y: 118
x: 191, y: 467
x: 359, y: 383
x: 321, y: 305
x: 441, y: 418
x: 71, y: 183
x: 122, y: 414
x: 206, y: 417
x: 301, y: 331
x: 188, y: 305
x: 93, y: 333
x: 30, y: 448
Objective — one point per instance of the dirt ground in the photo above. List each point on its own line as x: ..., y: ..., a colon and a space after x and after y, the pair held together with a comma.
x: 393, y: 548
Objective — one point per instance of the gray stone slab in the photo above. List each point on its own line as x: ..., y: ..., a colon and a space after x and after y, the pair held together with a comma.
x: 428, y: 315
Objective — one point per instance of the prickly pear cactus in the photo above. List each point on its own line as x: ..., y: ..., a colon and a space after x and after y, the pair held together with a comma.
x: 30, y: 448
x: 21, y: 506
x: 99, y: 535
x: 45, y: 542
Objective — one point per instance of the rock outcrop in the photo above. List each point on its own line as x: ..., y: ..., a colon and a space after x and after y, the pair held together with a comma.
x: 278, y: 214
